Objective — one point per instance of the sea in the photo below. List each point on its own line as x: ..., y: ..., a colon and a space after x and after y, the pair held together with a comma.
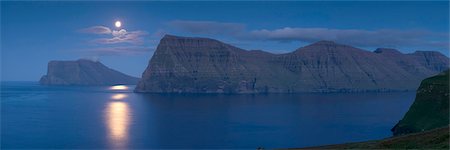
x: 113, y: 117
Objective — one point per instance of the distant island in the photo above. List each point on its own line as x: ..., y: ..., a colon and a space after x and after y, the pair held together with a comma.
x: 203, y: 65
x: 425, y: 125
x: 83, y: 72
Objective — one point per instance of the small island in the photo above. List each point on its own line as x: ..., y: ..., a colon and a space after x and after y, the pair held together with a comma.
x: 83, y: 72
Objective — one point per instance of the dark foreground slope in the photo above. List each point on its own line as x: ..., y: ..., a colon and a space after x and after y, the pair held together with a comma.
x: 202, y: 65
x: 425, y: 125
x: 83, y: 72
x: 430, y: 109
x: 433, y: 139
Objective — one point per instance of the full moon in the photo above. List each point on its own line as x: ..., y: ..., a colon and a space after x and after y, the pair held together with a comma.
x: 118, y: 24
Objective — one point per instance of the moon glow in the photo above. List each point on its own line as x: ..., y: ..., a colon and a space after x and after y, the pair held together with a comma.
x: 118, y: 24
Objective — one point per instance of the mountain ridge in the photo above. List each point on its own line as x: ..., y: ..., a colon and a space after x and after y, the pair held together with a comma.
x: 319, y: 42
x: 204, y: 65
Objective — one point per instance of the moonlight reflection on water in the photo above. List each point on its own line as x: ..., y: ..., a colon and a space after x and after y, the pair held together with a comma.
x: 118, y: 87
x: 193, y: 121
x: 119, y: 96
x: 117, y: 117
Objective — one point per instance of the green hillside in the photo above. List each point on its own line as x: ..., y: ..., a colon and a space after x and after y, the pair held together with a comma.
x: 424, y: 126
x: 430, y: 110
x: 433, y: 139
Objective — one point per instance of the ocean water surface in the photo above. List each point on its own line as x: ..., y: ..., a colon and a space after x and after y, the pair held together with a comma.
x: 35, y: 116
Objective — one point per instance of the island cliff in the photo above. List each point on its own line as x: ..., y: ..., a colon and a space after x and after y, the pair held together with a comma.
x: 202, y: 65
x: 425, y: 125
x: 430, y: 109
x: 83, y: 72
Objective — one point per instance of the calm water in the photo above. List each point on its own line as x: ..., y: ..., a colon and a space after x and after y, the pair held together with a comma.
x: 34, y: 116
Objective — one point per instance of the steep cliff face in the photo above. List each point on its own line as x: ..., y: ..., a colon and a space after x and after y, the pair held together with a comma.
x: 83, y: 72
x: 430, y: 110
x: 202, y: 65
x: 194, y: 65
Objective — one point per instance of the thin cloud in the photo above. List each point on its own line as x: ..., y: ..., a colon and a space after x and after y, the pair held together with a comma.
x: 355, y: 37
x: 159, y: 33
x: 97, y: 30
x: 121, y: 32
x: 121, y: 50
x: 208, y: 27
x: 116, y: 36
x: 122, y: 36
x: 116, y: 42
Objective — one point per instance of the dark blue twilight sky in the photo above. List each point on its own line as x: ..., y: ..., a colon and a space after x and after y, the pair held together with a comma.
x: 33, y: 33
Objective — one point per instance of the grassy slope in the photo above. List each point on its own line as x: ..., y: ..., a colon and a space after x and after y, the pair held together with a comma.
x: 430, y: 110
x: 426, y: 124
x: 433, y: 139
